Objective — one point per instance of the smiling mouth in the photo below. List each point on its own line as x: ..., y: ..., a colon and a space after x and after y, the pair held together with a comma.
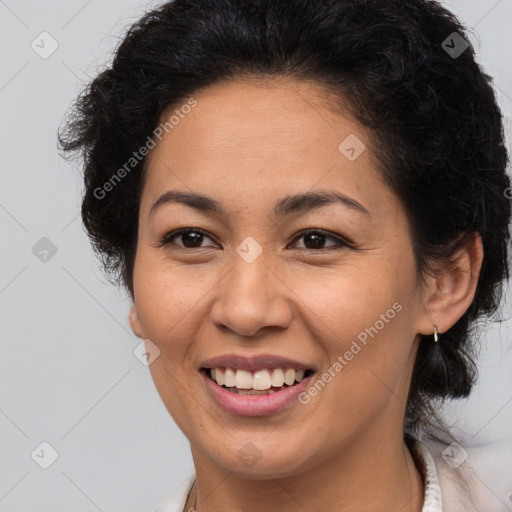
x: 262, y: 382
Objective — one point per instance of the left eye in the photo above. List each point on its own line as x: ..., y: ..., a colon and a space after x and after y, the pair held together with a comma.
x: 193, y: 237
x: 316, y: 238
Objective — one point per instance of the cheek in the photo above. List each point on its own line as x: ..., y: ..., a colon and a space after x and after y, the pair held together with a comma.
x: 346, y: 301
x: 364, y: 321
x: 166, y: 291
x: 168, y: 304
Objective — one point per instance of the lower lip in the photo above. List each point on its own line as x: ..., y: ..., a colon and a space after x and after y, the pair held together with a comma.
x: 255, y: 405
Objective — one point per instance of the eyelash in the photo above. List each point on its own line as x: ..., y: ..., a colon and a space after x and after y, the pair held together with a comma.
x: 342, y: 243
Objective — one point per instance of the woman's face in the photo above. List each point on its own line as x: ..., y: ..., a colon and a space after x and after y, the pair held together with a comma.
x: 343, y: 301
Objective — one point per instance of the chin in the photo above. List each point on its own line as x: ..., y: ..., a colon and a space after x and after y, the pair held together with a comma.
x: 261, y: 460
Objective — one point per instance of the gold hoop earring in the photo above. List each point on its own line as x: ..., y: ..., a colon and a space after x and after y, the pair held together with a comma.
x: 436, y: 334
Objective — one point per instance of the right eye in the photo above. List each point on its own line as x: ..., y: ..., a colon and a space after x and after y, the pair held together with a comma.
x: 191, y: 238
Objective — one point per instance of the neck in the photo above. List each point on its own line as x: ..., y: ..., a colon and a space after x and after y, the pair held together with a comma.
x: 367, y: 475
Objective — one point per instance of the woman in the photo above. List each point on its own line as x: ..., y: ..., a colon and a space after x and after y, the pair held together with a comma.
x: 306, y: 202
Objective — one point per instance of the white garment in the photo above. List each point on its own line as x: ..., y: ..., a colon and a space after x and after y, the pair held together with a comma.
x: 431, y: 503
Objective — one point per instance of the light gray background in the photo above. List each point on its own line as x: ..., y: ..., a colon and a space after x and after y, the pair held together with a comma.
x: 68, y: 375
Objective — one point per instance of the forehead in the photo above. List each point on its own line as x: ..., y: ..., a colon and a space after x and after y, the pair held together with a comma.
x: 259, y: 135
x: 233, y: 114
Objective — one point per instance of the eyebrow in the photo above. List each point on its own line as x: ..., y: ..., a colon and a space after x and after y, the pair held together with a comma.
x: 296, y: 204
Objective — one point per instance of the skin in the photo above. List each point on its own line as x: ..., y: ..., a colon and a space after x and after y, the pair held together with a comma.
x: 247, y: 144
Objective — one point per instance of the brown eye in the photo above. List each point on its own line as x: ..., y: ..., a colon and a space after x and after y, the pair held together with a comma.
x: 191, y: 238
x: 314, y: 239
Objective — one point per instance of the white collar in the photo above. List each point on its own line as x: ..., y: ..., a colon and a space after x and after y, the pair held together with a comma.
x: 432, y: 501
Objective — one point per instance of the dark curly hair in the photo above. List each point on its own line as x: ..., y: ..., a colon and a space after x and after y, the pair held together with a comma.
x: 432, y: 115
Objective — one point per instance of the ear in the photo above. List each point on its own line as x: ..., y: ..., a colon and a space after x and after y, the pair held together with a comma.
x: 450, y: 292
x: 135, y: 322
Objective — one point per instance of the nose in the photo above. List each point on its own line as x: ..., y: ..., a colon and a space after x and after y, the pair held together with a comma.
x: 252, y: 297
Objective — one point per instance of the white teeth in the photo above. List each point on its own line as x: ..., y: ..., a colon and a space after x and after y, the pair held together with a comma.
x: 277, y: 378
x: 229, y: 377
x: 260, y: 380
x: 218, y: 376
x: 289, y: 376
x: 243, y: 379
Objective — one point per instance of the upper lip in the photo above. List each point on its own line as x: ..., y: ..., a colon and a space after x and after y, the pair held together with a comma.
x: 254, y: 363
